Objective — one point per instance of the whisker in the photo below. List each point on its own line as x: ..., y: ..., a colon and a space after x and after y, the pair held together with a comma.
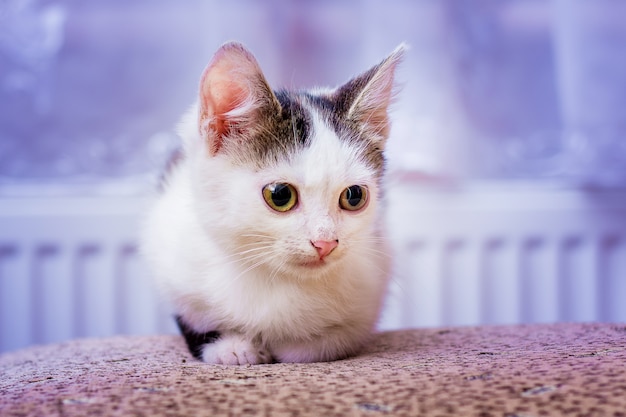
x: 237, y: 256
x: 257, y: 235
x: 276, y: 271
x: 374, y: 251
x: 245, y: 251
x: 250, y: 268
x: 256, y: 264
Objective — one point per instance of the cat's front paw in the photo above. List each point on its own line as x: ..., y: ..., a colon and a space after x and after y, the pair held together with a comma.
x: 235, y: 350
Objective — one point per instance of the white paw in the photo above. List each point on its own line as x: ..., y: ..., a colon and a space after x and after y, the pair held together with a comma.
x: 234, y: 350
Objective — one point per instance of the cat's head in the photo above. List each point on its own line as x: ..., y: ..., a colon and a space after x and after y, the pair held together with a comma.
x: 289, y: 182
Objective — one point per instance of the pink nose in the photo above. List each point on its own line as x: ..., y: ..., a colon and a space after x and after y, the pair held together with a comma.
x: 324, y: 247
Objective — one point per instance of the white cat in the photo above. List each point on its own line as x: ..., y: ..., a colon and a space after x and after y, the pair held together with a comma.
x: 267, y: 238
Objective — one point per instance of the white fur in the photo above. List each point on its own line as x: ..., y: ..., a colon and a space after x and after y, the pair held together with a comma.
x: 228, y: 262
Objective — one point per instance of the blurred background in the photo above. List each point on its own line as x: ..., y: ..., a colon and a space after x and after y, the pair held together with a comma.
x: 507, y: 162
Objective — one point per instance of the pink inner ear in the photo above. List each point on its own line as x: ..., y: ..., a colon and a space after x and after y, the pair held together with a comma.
x: 220, y: 96
x: 372, y: 106
x: 225, y: 86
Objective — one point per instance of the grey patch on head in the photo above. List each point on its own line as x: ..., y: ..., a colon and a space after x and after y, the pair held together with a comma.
x: 334, y: 108
x: 334, y: 111
x: 280, y: 133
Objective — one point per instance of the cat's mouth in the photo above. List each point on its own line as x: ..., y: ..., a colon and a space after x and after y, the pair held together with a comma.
x: 313, y: 263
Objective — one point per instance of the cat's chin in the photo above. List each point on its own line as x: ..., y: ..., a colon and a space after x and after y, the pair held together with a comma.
x: 314, y: 264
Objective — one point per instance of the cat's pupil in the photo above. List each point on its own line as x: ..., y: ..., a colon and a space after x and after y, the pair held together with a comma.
x: 281, y: 195
x: 354, y: 195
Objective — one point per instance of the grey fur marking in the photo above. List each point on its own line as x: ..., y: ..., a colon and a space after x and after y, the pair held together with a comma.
x: 283, y: 134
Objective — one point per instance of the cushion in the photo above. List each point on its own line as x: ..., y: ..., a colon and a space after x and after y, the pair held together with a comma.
x: 521, y: 370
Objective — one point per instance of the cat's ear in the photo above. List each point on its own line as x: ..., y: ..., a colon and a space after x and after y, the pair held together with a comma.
x: 233, y: 94
x: 366, y: 98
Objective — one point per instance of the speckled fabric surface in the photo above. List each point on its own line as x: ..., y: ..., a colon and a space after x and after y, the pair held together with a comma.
x: 535, y: 370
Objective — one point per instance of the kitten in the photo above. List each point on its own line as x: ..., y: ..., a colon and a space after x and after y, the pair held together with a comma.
x: 267, y: 237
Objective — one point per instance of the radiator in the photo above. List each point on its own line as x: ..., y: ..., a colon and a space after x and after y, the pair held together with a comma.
x: 494, y: 255
x: 69, y: 267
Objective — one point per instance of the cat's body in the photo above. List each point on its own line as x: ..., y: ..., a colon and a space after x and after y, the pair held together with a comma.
x: 267, y: 239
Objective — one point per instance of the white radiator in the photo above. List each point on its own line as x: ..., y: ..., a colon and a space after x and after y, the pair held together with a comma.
x: 69, y: 267
x: 494, y: 255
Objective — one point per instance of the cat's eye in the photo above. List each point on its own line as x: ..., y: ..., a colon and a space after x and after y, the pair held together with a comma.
x: 353, y: 198
x: 280, y: 196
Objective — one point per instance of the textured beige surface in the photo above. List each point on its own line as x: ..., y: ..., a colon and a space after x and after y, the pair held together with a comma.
x: 538, y: 370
